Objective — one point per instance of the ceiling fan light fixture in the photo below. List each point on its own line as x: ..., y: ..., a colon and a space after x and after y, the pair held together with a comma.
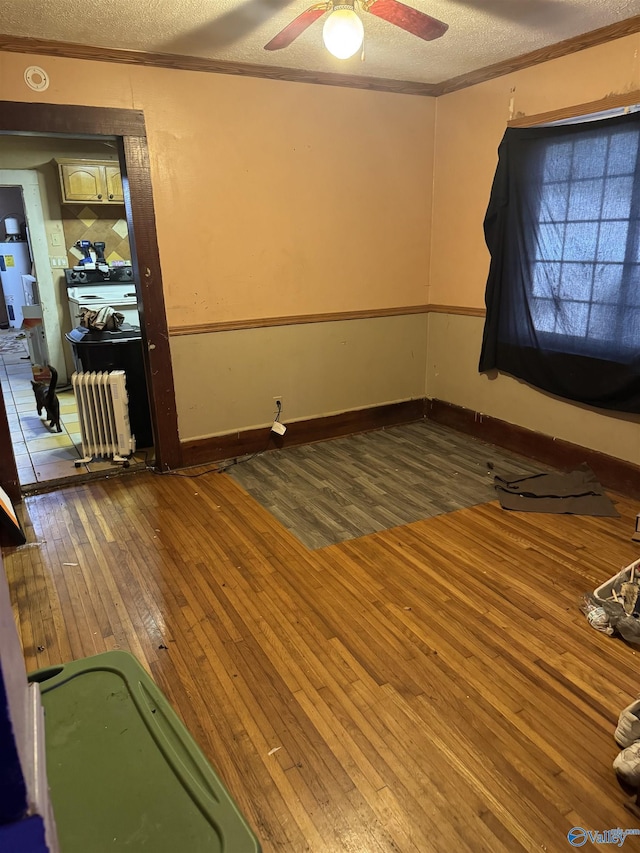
x: 343, y: 32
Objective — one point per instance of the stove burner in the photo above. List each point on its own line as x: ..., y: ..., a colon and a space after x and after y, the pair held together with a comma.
x: 115, y: 274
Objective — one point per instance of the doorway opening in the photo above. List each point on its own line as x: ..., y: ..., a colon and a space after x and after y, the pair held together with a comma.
x: 54, y: 245
x: 66, y: 230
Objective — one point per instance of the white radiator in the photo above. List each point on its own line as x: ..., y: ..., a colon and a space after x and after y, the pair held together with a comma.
x: 103, y: 410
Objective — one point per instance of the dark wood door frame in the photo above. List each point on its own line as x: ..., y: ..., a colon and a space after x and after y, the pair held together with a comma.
x: 129, y: 128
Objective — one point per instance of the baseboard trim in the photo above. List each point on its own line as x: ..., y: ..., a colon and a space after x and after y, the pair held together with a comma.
x: 204, y: 450
x: 615, y: 474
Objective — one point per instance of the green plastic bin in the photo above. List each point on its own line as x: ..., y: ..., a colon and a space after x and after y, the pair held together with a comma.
x: 124, y: 772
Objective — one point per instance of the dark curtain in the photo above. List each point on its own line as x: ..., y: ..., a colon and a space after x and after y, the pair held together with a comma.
x: 563, y: 231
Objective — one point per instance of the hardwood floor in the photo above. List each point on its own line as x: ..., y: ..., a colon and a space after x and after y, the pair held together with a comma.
x: 427, y: 688
x: 336, y: 490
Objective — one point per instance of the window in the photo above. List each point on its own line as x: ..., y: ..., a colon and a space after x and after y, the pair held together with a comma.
x: 563, y: 229
x: 585, y: 261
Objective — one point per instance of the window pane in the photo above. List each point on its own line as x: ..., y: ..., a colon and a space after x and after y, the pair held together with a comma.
x: 631, y: 328
x: 589, y: 157
x: 623, y: 150
x: 617, y: 198
x: 576, y: 281
x: 544, y: 280
x: 581, y: 280
x: 580, y: 241
x: 543, y: 315
x: 585, y: 200
x: 631, y: 286
x: 612, y: 243
x: 634, y: 250
x: 557, y: 162
x: 549, y: 243
x: 573, y: 318
x: 553, y: 205
x: 602, y: 322
x: 607, y: 282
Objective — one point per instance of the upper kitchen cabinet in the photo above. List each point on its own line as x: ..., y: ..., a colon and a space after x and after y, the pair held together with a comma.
x: 113, y: 180
x: 95, y: 181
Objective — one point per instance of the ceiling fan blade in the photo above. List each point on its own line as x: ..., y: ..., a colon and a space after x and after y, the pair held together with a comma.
x: 297, y: 27
x: 411, y: 20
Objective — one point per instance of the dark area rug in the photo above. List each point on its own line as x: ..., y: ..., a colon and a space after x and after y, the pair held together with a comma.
x: 575, y: 493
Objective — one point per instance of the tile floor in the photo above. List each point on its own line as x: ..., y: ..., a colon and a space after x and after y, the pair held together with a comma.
x: 41, y: 455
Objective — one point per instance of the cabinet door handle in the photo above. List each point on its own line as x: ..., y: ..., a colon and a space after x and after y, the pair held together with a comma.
x: 99, y: 195
x: 110, y: 195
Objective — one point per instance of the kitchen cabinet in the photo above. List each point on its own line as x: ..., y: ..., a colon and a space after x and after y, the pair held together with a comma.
x: 94, y: 181
x: 113, y: 180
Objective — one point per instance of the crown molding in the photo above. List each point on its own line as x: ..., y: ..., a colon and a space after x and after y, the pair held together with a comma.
x: 553, y: 51
x: 69, y: 50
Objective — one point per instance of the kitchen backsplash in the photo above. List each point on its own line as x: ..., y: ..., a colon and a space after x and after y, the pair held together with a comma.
x: 97, y: 223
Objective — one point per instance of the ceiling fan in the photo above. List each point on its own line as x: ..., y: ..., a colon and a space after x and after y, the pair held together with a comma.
x: 343, y: 31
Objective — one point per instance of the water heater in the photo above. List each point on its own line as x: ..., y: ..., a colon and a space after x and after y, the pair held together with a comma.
x: 11, y: 229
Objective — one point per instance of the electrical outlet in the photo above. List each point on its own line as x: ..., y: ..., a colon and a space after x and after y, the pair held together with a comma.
x: 278, y: 402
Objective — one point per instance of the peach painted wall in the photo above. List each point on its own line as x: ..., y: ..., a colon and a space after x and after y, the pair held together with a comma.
x: 272, y: 198
x: 469, y: 126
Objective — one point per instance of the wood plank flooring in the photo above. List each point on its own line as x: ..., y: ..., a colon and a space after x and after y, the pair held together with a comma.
x: 428, y: 688
x: 331, y: 491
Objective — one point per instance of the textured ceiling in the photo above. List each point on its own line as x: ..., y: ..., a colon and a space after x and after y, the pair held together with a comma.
x: 481, y: 32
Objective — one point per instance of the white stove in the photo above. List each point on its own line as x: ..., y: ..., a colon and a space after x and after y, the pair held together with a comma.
x: 93, y: 289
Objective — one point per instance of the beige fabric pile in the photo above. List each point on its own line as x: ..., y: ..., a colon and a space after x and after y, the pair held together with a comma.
x: 104, y: 320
